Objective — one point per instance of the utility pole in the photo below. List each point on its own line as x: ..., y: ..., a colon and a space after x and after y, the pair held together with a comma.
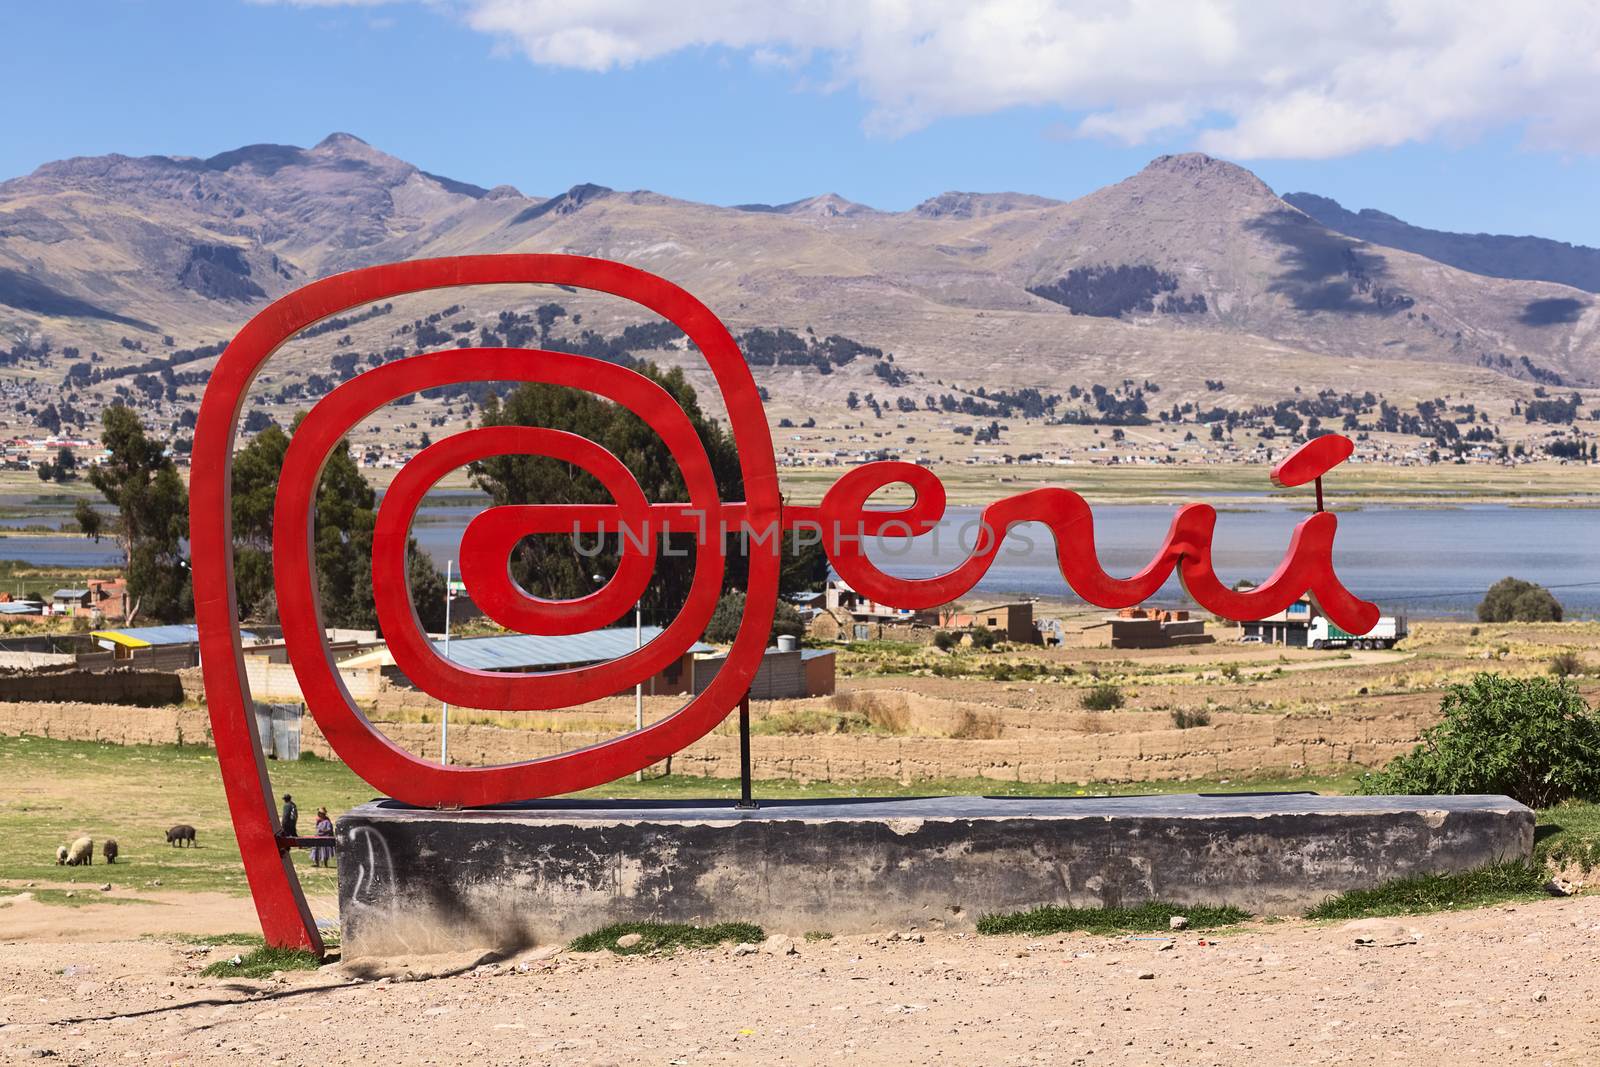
x: 444, y: 719
x: 638, y: 687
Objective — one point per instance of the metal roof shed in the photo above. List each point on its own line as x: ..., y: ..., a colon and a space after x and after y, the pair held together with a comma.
x: 520, y: 652
x: 158, y: 636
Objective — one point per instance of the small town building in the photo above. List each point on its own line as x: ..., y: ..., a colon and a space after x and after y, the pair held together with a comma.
x: 70, y: 602
x: 839, y: 598
x: 104, y: 598
x: 108, y: 597
x: 1155, y: 628
x: 787, y: 672
x: 538, y: 652
x: 22, y: 608
x: 1013, y: 620
x: 1291, y: 626
x: 840, y: 613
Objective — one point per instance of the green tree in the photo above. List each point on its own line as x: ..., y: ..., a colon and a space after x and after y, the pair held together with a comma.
x: 724, y: 625
x: 66, y: 464
x: 1533, y: 739
x: 564, y: 566
x: 255, y: 480
x: 1514, y: 600
x: 140, y: 481
x: 90, y: 522
x: 345, y: 518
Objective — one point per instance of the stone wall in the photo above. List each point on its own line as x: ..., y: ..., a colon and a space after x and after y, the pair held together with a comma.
x: 123, y: 686
x: 156, y: 658
x: 110, y: 723
x: 277, y: 681
x: 1243, y: 744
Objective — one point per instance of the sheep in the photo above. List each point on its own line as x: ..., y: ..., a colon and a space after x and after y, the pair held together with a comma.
x: 110, y: 849
x: 81, y: 852
x: 61, y: 855
x: 179, y: 834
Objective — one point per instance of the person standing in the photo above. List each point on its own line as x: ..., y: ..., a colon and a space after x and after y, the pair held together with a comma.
x: 289, y: 821
x: 322, y: 855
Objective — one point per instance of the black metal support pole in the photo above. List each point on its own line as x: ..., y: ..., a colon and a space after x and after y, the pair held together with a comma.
x: 745, y: 800
x: 1319, y: 494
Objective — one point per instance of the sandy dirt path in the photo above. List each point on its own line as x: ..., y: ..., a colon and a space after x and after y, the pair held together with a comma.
x: 136, y: 913
x: 1506, y: 985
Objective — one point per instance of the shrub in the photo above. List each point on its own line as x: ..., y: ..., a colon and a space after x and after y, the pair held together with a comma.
x: 1533, y: 739
x: 1566, y: 663
x: 1102, y: 698
x: 972, y: 727
x: 1184, y: 719
x: 983, y: 637
x: 944, y: 640
x: 1514, y: 600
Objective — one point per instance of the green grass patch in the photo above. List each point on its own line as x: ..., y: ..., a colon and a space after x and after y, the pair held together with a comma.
x: 1145, y: 917
x: 818, y: 935
x: 1438, y: 892
x: 654, y: 937
x: 261, y: 962
x: 1569, y: 835
x: 56, y: 790
x: 214, y: 940
x: 78, y: 899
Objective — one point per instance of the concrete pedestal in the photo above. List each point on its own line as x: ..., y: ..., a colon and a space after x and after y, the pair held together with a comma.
x: 414, y: 880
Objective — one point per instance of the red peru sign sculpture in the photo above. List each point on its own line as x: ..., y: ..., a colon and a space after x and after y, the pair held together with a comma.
x: 842, y: 520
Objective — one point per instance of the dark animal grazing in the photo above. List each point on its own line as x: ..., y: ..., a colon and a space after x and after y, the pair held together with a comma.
x: 110, y: 849
x: 179, y: 834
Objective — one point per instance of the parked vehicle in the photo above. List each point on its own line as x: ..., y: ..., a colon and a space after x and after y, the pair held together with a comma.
x: 1390, y: 631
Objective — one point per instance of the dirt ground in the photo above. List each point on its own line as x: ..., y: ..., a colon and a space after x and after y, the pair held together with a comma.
x: 1504, y: 985
x: 120, y: 913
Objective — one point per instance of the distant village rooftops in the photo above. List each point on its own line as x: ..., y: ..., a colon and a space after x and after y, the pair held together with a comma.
x: 158, y: 636
x: 511, y: 652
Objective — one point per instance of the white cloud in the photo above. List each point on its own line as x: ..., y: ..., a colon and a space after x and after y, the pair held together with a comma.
x: 1250, y: 78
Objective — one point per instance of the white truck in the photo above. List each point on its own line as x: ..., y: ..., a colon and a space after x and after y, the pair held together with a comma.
x: 1390, y: 631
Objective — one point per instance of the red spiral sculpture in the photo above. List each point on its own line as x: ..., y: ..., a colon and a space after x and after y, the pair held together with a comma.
x: 842, y: 519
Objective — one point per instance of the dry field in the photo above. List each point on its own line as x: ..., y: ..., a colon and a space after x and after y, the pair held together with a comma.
x: 1513, y: 984
x: 1020, y: 713
x: 91, y: 975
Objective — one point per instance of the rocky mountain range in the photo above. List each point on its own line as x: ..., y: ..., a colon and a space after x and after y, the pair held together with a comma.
x: 1497, y: 255
x: 1191, y: 266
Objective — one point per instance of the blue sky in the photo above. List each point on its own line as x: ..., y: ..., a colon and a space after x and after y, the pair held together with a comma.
x: 751, y: 114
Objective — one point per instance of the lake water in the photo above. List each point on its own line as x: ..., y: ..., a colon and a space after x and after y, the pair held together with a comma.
x: 1434, y: 562
x: 1421, y: 561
